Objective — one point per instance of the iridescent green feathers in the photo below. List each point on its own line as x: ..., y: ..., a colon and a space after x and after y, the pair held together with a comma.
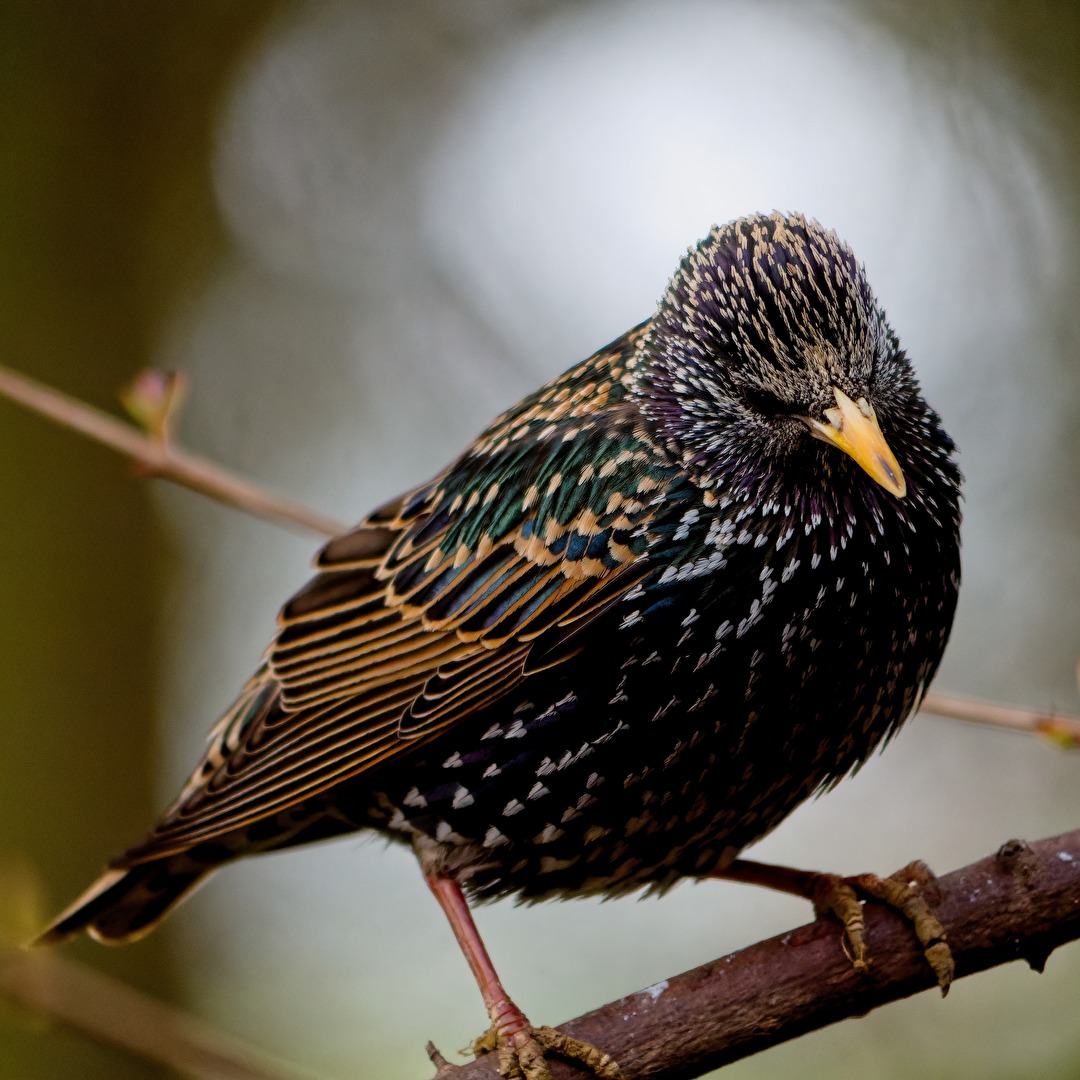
x: 440, y: 603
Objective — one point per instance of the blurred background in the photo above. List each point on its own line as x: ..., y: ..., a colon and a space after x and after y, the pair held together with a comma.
x: 364, y: 228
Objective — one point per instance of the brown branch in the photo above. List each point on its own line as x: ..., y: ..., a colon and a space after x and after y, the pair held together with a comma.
x: 1062, y: 730
x: 1020, y: 903
x: 160, y: 458
x: 110, y: 1012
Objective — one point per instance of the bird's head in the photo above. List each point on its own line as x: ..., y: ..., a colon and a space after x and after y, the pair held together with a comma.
x: 770, y: 345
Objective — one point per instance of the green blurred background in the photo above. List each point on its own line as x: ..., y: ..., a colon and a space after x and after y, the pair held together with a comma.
x: 365, y: 228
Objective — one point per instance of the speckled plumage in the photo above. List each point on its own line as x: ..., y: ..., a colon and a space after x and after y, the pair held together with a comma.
x: 644, y: 616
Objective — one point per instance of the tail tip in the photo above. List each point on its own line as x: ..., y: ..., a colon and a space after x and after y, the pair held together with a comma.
x: 125, y: 904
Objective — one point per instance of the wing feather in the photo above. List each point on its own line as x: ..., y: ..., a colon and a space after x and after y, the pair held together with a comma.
x: 438, y: 604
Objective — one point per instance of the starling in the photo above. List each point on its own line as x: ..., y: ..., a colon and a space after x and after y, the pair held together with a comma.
x: 654, y: 607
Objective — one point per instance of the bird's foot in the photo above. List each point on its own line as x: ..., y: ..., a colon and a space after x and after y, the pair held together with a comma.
x: 905, y: 892
x: 522, y: 1049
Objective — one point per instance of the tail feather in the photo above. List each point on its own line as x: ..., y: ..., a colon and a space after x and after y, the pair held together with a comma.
x: 124, y: 904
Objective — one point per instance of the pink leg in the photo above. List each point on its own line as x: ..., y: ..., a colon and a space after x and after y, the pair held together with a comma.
x: 520, y: 1046
x: 506, y: 1017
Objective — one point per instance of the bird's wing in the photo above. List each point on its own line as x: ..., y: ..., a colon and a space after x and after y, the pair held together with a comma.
x: 432, y: 607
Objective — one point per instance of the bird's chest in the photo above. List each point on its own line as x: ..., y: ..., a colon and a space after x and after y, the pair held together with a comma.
x: 788, y: 663
x: 704, y: 707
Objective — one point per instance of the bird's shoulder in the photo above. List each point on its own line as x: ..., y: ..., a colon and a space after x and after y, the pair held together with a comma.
x: 559, y: 489
x: 438, y: 603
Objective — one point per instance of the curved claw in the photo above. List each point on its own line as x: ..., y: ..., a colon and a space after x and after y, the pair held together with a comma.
x: 905, y: 893
x: 598, y: 1062
x: 835, y: 895
x: 522, y: 1053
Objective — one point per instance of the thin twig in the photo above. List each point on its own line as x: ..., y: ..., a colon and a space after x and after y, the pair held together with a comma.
x: 1018, y: 904
x: 161, y: 459
x: 113, y: 1013
x: 1063, y: 730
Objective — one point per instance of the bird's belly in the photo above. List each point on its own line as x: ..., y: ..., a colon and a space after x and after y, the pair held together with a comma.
x: 661, y: 756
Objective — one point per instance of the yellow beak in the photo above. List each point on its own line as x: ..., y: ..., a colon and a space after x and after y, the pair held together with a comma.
x: 853, y: 428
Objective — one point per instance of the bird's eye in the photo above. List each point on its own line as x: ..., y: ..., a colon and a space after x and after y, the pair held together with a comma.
x: 768, y: 404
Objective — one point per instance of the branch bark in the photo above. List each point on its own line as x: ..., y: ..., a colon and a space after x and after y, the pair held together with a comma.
x: 1020, y: 903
